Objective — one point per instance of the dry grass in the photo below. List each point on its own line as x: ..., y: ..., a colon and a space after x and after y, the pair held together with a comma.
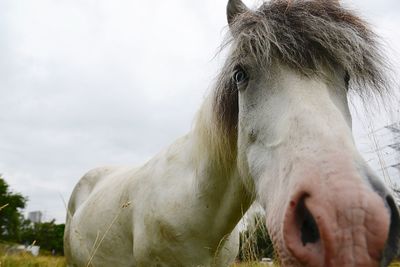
x: 255, y: 264
x: 46, y: 261
x: 26, y: 260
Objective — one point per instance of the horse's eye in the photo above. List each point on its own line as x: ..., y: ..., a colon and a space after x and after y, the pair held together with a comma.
x: 240, y: 76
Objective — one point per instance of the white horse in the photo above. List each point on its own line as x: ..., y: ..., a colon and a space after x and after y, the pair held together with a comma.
x: 277, y: 129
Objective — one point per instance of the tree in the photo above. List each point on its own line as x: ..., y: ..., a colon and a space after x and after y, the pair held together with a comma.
x: 47, y: 235
x: 10, y: 212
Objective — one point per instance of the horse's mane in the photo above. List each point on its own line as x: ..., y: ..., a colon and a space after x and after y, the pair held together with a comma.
x: 304, y: 35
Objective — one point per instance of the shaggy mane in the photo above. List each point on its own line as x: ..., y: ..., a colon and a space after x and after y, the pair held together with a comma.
x: 304, y: 35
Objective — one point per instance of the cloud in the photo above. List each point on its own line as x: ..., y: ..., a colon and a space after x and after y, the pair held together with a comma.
x: 90, y: 83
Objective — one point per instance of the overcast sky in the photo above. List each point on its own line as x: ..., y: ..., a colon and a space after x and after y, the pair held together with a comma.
x: 93, y: 82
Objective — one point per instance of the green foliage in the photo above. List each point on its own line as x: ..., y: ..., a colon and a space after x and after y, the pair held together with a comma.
x: 48, y: 235
x: 13, y: 227
x: 255, y: 242
x: 10, y: 215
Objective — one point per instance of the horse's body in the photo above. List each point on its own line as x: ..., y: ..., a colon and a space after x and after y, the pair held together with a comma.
x: 276, y: 128
x: 165, y: 213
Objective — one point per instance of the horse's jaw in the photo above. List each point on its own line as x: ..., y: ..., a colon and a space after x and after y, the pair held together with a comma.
x: 322, y: 208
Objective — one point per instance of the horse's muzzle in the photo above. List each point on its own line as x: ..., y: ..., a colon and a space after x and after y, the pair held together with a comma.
x: 341, y: 221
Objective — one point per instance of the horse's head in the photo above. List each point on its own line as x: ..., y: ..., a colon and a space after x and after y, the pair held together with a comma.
x: 284, y: 91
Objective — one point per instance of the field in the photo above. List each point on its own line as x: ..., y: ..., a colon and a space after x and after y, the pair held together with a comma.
x: 30, y: 261
x: 27, y: 260
x: 49, y: 261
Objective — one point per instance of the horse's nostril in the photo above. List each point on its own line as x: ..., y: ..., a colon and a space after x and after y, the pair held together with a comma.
x: 309, y: 232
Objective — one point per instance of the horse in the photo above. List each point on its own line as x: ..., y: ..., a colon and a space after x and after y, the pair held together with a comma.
x: 275, y: 129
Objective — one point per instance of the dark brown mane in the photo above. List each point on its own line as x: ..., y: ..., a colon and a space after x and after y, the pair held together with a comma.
x: 304, y: 35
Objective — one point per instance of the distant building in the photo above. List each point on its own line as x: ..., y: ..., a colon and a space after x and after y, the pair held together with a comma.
x: 35, y: 216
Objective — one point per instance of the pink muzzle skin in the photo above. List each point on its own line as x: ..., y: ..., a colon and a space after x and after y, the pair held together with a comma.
x: 336, y: 222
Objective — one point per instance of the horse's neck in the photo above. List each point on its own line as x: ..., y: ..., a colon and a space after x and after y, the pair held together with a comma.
x: 217, y: 178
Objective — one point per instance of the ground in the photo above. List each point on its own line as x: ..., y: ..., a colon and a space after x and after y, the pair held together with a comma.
x: 49, y: 261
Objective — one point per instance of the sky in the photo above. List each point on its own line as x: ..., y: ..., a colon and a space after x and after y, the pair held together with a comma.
x: 92, y: 82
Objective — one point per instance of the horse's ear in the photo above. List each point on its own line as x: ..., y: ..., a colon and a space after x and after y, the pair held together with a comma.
x: 235, y: 8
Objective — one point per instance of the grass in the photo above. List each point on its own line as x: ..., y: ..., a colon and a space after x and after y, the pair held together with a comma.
x: 26, y: 260
x: 252, y: 264
x: 395, y: 264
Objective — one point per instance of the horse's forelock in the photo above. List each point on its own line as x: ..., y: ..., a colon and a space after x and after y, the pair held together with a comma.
x: 305, y: 35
